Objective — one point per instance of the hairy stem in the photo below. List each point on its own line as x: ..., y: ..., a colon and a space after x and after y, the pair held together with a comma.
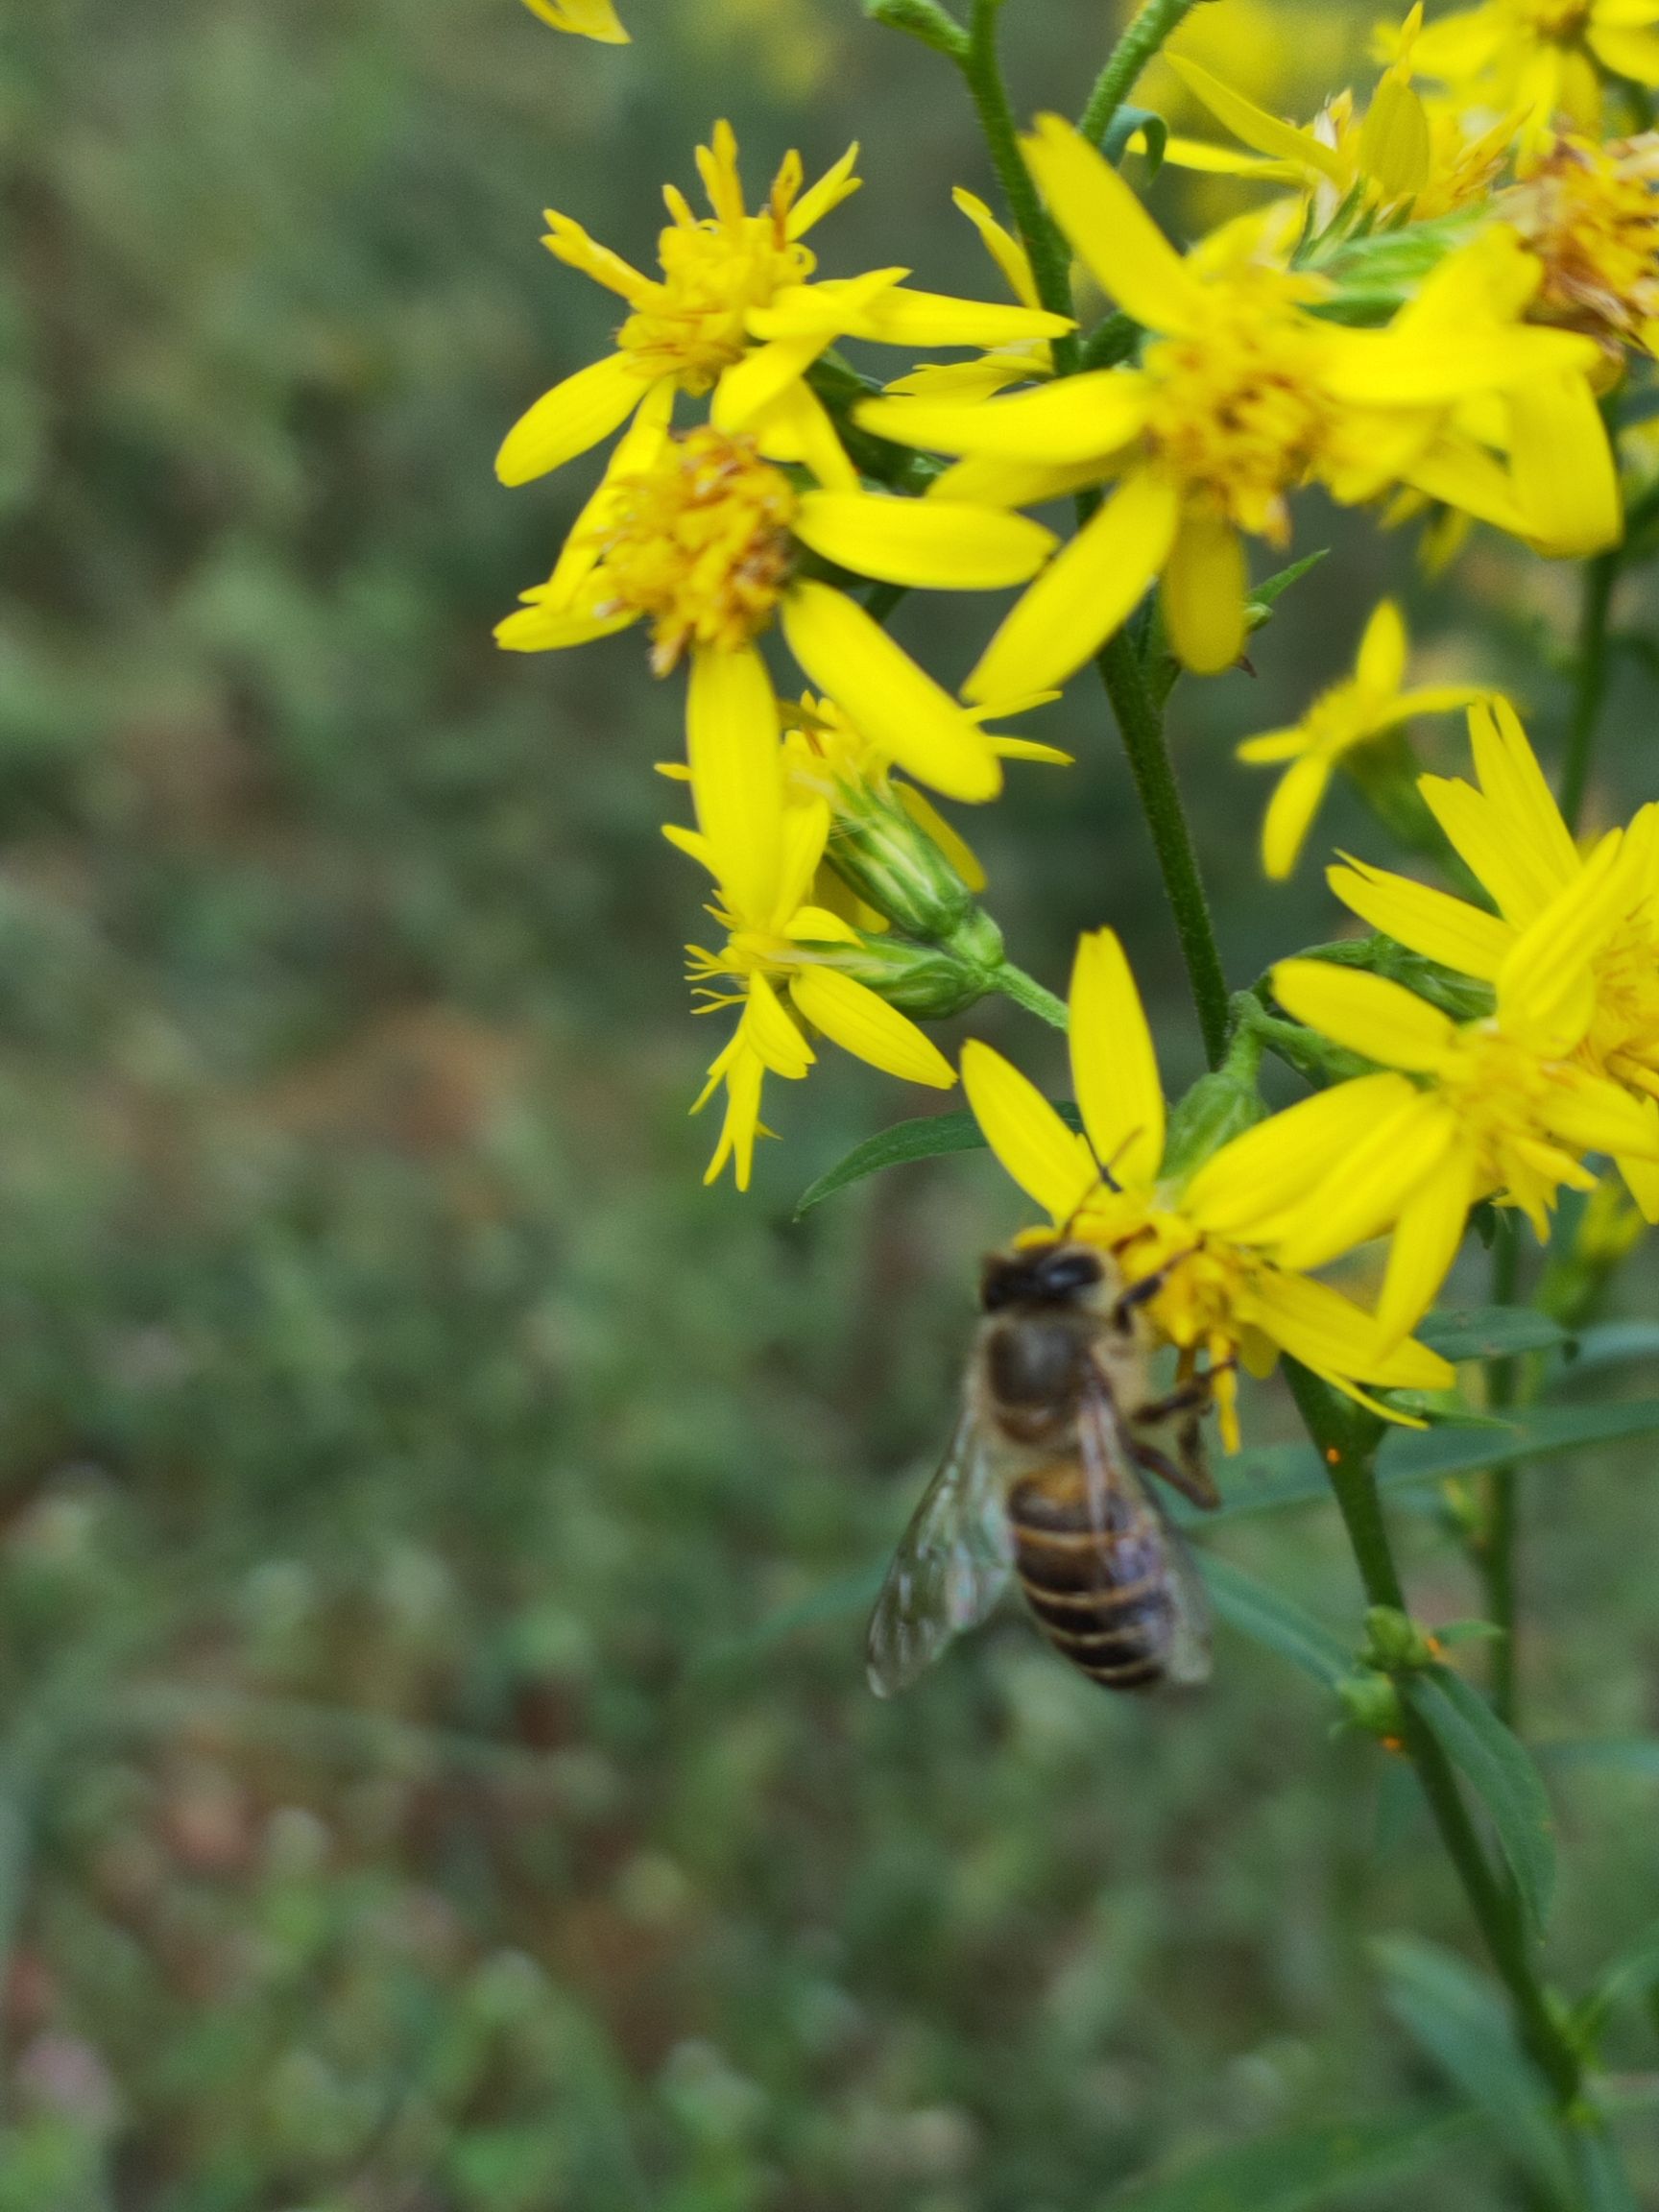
x: 1347, y: 1437
x: 1050, y: 260
x: 1139, y: 41
x: 1589, y: 681
x: 1141, y: 728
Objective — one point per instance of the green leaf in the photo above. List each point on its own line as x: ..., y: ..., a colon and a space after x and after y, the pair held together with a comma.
x: 925, y: 1139
x: 1633, y: 1754
x: 1611, y: 1344
x: 1458, y: 2019
x: 1122, y: 127
x: 1275, y: 1476
x: 1632, y: 1974
x: 1269, y: 1617
x: 1490, y: 1333
x: 1264, y: 596
x: 1500, y: 1769
x: 1303, y: 2170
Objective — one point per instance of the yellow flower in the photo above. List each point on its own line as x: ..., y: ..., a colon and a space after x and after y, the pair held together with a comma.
x: 1591, y: 214
x: 1497, y: 1108
x: 736, y: 311
x: 699, y: 536
x: 1510, y: 836
x: 1220, y: 1292
x: 763, y: 853
x: 1405, y: 154
x: 1350, y: 714
x: 1543, y: 56
x: 587, y: 18
x: 1242, y: 396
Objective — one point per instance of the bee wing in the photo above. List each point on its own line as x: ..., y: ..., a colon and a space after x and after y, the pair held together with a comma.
x: 1118, y: 1494
x: 950, y: 1568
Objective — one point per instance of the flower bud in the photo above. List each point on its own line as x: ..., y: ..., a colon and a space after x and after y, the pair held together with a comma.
x: 929, y: 982
x: 1370, y: 1703
x: 1218, y: 1106
x: 893, y: 865
x: 1394, y: 1644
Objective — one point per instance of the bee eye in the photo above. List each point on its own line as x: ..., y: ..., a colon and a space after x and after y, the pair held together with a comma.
x: 1066, y: 1271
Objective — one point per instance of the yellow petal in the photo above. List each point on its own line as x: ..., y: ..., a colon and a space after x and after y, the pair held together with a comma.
x: 1110, y: 231
x: 634, y: 451
x: 1290, y: 814
x: 1205, y: 584
x: 771, y: 1033
x: 865, y: 1026
x: 1114, y: 1065
x: 1371, y: 1185
x: 1564, y: 479
x: 541, y: 628
x: 1273, y: 746
x: 902, y: 317
x: 1245, y: 1191
x: 1003, y: 247
x: 1084, y: 593
x: 796, y: 427
x: 1594, y: 1115
x: 1366, y: 1013
x: 933, y: 544
x: 1330, y: 1335
x: 1381, y: 665
x: 837, y: 183
x: 1461, y: 474
x: 736, y: 758
x: 587, y: 18
x: 1076, y: 418
x: 1255, y: 126
x: 750, y: 386
x: 1546, y: 986
x: 1432, y: 922
x: 570, y: 418
x: 998, y: 483
x: 1051, y: 1163
x: 745, y: 1075
x: 885, y: 696
x: 1513, y: 781
x: 1424, y: 1245
x: 1396, y: 146
x: 568, y: 242
x: 1626, y: 53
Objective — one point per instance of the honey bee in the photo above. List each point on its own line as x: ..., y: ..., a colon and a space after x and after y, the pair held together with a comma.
x: 1045, y: 1479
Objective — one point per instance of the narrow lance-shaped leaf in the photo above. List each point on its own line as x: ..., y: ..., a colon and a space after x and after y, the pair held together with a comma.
x: 927, y: 1138
x: 1498, y: 1769
x: 1267, y: 1618
x: 1460, y: 2021
x: 1301, y: 2171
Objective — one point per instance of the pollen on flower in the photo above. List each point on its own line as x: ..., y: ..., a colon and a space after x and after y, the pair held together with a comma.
x: 1235, y: 408
x: 715, y: 269
x: 1591, y: 214
x: 699, y: 544
x: 1501, y: 1091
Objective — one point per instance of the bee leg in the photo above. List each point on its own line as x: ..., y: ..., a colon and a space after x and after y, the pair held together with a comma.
x: 1136, y: 1294
x: 1188, y: 1472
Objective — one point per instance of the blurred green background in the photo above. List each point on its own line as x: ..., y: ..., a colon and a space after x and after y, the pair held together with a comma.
x: 409, y: 1799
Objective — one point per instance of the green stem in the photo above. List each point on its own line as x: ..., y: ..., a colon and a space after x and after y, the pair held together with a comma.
x: 1496, y: 1550
x: 1141, y: 728
x: 1126, y: 62
x: 1346, y: 1437
x: 1589, y: 680
x: 1025, y: 991
x: 1050, y: 260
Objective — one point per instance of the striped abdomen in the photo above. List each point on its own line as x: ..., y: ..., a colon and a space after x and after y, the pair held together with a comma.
x: 1099, y: 1595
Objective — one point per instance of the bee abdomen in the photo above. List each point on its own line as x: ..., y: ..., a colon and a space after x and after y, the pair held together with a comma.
x: 1100, y: 1595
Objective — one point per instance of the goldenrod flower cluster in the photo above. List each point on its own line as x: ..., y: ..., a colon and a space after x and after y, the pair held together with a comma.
x: 1426, y: 313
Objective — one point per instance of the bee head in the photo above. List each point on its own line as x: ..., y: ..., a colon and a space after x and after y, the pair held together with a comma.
x: 1041, y: 1274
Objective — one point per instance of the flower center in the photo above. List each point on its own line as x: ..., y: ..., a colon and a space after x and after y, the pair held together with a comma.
x: 1591, y: 214
x: 699, y: 544
x: 1560, y: 22
x: 1502, y: 1092
x: 713, y: 272
x: 1236, y: 408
